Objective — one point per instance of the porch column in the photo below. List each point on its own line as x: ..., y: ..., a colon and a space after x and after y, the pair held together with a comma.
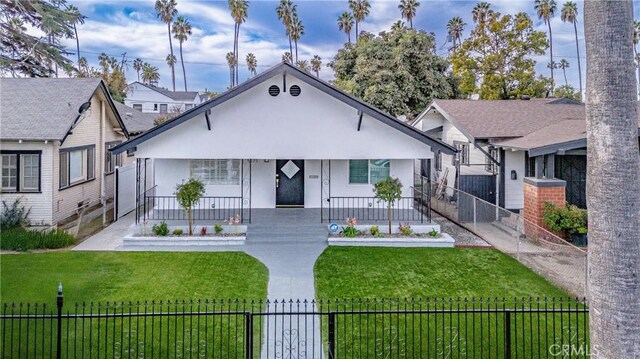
x: 537, y: 191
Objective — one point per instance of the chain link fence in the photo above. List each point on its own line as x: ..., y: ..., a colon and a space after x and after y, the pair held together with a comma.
x: 542, y: 251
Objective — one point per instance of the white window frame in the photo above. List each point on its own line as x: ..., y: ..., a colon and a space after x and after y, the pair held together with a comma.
x: 462, y: 156
x: 368, y: 172
x: 211, y: 171
x: 88, y: 161
x: 111, y: 161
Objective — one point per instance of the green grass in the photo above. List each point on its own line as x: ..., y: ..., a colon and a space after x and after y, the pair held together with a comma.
x: 20, y: 239
x: 368, y: 272
x: 124, y: 276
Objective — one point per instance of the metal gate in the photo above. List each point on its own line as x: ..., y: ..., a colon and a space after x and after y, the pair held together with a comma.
x: 573, y: 169
x: 125, y: 190
x: 481, y: 186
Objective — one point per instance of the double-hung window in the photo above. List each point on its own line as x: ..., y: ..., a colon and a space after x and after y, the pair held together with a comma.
x: 164, y: 108
x: 77, y: 165
x: 368, y: 171
x: 111, y: 161
x: 437, y: 161
x: 20, y: 171
x: 216, y: 172
x: 462, y: 156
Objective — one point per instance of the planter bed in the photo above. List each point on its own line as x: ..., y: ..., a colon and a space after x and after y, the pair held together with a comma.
x: 230, y: 235
x: 386, y: 240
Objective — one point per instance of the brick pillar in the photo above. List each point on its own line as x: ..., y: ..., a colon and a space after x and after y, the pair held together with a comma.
x: 537, y: 191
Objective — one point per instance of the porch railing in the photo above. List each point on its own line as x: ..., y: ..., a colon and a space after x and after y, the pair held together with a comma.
x: 167, y: 208
x: 414, y: 208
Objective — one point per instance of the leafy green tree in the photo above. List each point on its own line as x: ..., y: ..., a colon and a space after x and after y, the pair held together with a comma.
x: 188, y: 195
x: 111, y: 72
x: 23, y: 53
x: 496, y: 60
x: 408, y: 10
x: 166, y: 11
x: 567, y: 91
x: 389, y: 191
x: 396, y: 71
x: 181, y: 32
x: 345, y: 23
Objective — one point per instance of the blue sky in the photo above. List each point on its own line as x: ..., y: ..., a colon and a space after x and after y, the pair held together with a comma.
x: 118, y: 26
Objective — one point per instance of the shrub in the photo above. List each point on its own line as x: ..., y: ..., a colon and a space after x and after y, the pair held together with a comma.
x: 350, y: 230
x: 569, y: 219
x: 14, y: 216
x: 433, y: 233
x: 405, y: 229
x: 389, y: 191
x: 218, y: 228
x: 161, y: 229
x: 20, y: 239
x: 203, y: 231
x: 188, y: 194
x: 177, y: 232
x: 374, y: 230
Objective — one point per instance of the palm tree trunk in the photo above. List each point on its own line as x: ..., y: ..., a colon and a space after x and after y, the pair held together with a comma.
x: 356, y: 30
x: 411, y: 23
x: 551, y: 52
x: 173, y: 71
x: 138, y: 75
x: 575, y: 29
x: 349, y: 36
x: 564, y: 72
x: 290, y: 47
x: 613, y: 172
x: 235, y: 50
x: 296, y: 43
x: 77, y: 44
x: 184, y: 72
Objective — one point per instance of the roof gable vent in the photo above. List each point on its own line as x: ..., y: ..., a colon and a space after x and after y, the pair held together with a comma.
x: 274, y: 90
x: 295, y: 90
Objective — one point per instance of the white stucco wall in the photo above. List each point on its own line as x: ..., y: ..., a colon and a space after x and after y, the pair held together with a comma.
x: 313, y: 125
x: 514, y: 189
x: 263, y: 191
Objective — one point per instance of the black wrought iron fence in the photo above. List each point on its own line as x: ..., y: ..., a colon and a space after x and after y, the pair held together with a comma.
x: 166, y: 208
x: 363, y: 328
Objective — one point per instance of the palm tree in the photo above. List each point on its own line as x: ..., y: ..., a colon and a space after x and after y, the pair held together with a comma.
x: 316, y: 63
x: 150, y: 74
x: 455, y: 27
x: 231, y: 61
x: 286, y: 57
x: 612, y: 181
x: 481, y: 12
x: 166, y: 11
x: 345, y: 23
x: 569, y: 14
x: 79, y: 19
x: 563, y: 64
x: 545, y: 10
x: 360, y: 10
x: 171, y: 60
x: 296, y: 31
x: 239, y: 13
x: 408, y: 10
x: 103, y: 60
x: 137, y: 65
x: 252, y: 63
x: 181, y: 32
x: 83, y: 64
x: 286, y: 11
x: 303, y: 65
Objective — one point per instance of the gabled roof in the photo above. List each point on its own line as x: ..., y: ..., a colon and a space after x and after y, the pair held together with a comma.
x: 483, y: 119
x: 136, y: 121
x: 174, y: 95
x: 308, y: 79
x: 45, y: 108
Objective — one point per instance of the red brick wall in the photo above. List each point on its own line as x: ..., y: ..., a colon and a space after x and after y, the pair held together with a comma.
x: 534, y: 199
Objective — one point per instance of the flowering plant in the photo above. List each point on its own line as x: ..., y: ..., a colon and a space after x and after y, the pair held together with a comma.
x: 350, y: 231
x: 234, y: 221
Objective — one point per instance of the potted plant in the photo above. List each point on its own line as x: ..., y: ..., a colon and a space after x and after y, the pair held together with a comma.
x: 389, y: 191
x: 569, y: 219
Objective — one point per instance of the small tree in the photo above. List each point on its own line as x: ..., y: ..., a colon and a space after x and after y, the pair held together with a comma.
x: 388, y: 190
x: 188, y: 194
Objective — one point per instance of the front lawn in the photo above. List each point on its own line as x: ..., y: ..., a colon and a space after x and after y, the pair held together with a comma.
x: 124, y: 276
x: 367, y: 272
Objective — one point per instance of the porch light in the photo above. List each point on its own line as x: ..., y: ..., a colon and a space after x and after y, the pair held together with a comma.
x: 514, y: 175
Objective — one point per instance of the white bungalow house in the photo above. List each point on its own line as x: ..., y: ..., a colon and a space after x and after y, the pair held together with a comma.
x: 153, y: 99
x: 282, y: 139
x: 501, y: 142
x: 54, y: 141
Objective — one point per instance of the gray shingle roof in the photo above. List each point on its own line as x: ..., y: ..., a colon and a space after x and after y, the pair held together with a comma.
x: 41, y: 108
x: 135, y: 121
x: 175, y: 95
x: 509, y: 118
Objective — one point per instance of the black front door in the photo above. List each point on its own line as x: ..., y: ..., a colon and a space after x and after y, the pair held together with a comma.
x: 290, y: 183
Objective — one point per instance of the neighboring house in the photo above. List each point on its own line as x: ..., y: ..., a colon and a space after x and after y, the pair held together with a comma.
x: 153, y: 99
x: 282, y: 139
x: 136, y: 122
x: 493, y: 139
x: 54, y: 141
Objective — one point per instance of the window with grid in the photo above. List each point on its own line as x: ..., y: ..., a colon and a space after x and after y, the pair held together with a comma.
x: 20, y: 171
x: 462, y: 156
x: 490, y: 166
x: 216, y: 172
x: 368, y: 171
